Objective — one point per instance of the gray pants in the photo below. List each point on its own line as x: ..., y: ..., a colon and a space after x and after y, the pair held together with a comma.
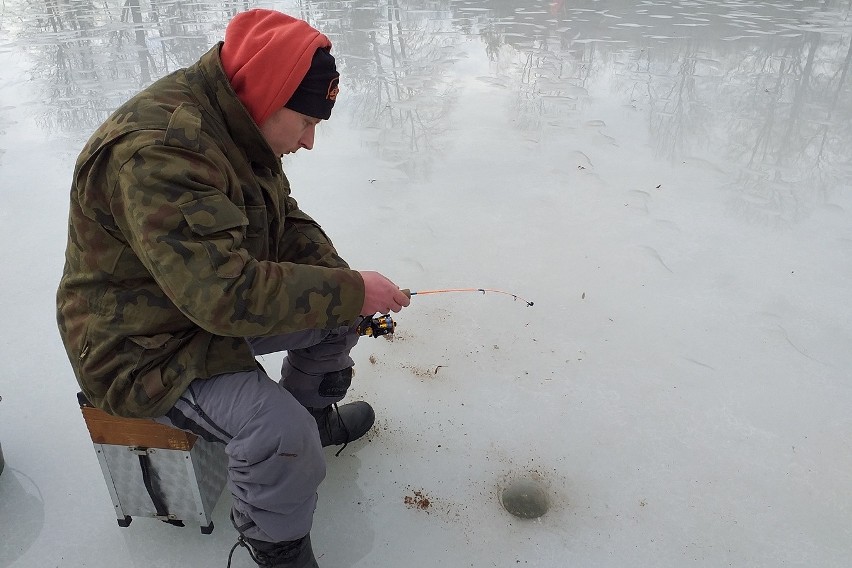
x: 275, y: 459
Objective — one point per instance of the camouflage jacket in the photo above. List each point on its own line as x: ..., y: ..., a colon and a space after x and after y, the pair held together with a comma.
x: 183, y: 240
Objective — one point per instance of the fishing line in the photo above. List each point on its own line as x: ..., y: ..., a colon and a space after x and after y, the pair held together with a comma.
x: 384, y: 325
x: 483, y: 290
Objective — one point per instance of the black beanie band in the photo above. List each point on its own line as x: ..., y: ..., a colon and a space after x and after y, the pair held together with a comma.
x: 317, y: 92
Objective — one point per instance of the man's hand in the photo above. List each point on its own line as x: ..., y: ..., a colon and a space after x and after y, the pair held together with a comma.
x: 381, y: 295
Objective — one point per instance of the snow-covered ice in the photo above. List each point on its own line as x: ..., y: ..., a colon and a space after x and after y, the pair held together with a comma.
x: 668, y: 181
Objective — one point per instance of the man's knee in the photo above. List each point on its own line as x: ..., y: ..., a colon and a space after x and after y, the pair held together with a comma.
x: 316, y: 388
x: 280, y: 436
x: 334, y: 384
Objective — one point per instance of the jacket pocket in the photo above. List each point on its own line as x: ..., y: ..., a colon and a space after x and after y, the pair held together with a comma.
x: 220, y: 228
x: 151, y: 376
x: 150, y: 341
x: 308, y: 228
x: 213, y: 214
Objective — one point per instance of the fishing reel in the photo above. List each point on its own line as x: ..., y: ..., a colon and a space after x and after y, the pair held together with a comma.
x: 375, y: 326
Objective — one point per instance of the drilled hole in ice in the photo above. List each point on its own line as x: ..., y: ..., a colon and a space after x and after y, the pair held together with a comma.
x: 525, y: 498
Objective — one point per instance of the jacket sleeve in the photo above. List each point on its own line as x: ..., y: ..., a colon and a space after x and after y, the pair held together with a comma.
x: 169, y: 205
x: 304, y: 242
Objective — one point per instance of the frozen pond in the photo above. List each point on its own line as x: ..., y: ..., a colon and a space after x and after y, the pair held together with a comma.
x: 670, y: 183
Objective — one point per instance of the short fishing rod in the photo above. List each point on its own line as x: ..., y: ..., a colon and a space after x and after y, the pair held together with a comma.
x: 376, y: 326
x: 409, y: 293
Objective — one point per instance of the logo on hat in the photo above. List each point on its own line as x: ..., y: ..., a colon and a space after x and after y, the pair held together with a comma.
x: 333, y: 89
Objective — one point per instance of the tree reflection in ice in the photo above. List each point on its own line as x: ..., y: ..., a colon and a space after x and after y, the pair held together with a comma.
x: 763, y: 86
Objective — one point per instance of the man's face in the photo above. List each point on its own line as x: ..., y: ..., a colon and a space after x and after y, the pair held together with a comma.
x: 287, y: 131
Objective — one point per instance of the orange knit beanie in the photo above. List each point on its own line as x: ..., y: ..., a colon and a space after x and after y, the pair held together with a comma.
x: 266, y: 55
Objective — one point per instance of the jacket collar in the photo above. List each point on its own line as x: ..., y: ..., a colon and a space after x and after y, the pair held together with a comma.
x: 216, y: 90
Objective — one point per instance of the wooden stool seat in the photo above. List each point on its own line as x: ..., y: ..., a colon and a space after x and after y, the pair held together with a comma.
x: 108, y: 429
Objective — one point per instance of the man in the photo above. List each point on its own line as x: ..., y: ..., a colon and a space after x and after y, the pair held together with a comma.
x: 187, y: 258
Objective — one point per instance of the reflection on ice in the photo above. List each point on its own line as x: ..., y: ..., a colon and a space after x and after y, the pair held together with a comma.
x: 20, y: 499
x: 762, y: 97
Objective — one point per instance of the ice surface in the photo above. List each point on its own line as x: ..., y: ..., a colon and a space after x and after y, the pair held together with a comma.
x: 668, y: 181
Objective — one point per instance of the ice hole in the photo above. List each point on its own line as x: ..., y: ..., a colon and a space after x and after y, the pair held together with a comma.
x: 525, y: 498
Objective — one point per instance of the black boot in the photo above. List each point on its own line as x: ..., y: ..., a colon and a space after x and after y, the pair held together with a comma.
x: 343, y: 424
x: 289, y: 554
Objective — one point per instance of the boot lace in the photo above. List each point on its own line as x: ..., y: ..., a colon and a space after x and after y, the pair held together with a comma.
x: 340, y: 423
x: 259, y: 559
